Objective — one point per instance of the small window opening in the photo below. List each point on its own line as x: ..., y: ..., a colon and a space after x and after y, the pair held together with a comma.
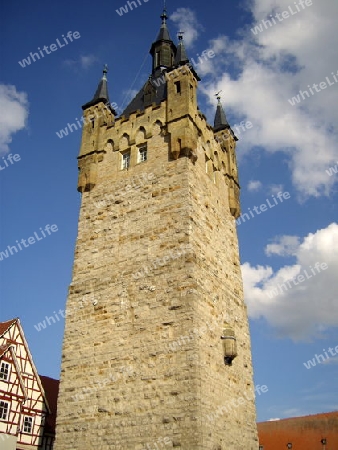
x: 27, y: 424
x: 4, y: 409
x: 125, y: 160
x: 4, y: 371
x: 143, y: 154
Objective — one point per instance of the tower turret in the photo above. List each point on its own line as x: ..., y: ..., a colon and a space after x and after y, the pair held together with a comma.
x: 163, y: 50
x: 220, y: 122
x: 225, y: 136
x: 181, y: 57
x: 96, y: 113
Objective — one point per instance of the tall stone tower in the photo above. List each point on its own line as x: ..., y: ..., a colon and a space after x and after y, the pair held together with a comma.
x: 155, y: 307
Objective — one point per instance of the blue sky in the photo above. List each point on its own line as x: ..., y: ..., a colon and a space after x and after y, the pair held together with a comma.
x: 287, y: 149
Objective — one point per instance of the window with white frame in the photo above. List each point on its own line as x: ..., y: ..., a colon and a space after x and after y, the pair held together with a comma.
x: 4, y: 371
x: 125, y: 160
x: 142, y: 154
x: 27, y: 424
x: 4, y: 410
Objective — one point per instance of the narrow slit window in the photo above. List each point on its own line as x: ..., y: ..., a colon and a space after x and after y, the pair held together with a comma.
x: 143, y: 154
x: 178, y: 87
x: 157, y: 59
x: 125, y: 160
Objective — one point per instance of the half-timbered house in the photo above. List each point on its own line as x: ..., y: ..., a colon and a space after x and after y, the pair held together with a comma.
x: 24, y: 408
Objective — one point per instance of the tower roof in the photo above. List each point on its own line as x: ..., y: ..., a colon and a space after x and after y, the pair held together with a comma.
x: 221, y: 121
x: 163, y: 34
x: 101, y: 94
x: 163, y: 50
x: 181, y: 54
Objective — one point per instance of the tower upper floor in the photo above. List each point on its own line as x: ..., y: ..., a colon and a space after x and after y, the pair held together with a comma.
x: 166, y: 102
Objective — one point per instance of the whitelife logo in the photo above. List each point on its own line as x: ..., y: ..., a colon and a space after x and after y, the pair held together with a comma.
x: 130, y: 5
x: 9, y: 160
x: 49, y: 229
x: 320, y: 359
x: 332, y: 170
x: 315, y: 88
x: 264, y: 207
x: 300, y: 278
x: 53, y: 47
x: 265, y: 24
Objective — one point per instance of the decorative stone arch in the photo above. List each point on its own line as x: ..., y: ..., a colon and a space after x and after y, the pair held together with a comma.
x: 124, y: 142
x: 157, y: 128
x: 216, y: 160
x: 140, y: 135
x: 110, y: 146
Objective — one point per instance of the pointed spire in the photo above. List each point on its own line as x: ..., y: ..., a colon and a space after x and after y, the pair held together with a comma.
x: 101, y: 94
x: 163, y: 49
x: 220, y: 122
x: 181, y: 54
x: 164, y: 32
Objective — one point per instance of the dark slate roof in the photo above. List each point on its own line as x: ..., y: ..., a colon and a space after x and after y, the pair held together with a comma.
x: 220, y: 118
x: 138, y: 100
x: 164, y: 35
x: 181, y: 54
x: 101, y: 94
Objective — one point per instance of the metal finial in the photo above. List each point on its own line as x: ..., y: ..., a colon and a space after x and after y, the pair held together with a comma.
x: 218, y: 96
x: 164, y: 15
x: 105, y: 71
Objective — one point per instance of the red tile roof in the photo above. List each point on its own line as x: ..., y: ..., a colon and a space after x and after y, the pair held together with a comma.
x: 305, y: 433
x: 51, y: 388
x: 5, y: 325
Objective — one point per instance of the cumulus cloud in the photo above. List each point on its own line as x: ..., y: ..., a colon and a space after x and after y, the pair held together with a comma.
x: 283, y: 246
x: 186, y: 21
x: 303, y: 311
x: 270, y: 68
x: 14, y: 106
x: 254, y: 186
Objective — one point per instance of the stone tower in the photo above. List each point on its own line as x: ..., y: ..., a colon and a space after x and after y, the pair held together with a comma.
x: 155, y: 306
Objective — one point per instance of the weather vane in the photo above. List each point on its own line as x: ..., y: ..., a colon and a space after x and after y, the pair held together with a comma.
x: 218, y: 95
x: 180, y: 35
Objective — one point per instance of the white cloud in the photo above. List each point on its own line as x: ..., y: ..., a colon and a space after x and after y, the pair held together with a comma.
x: 87, y: 60
x: 305, y: 310
x: 84, y: 62
x: 271, y: 68
x: 332, y: 360
x: 254, y: 186
x: 186, y: 21
x: 275, y: 188
x: 283, y: 246
x: 14, y: 107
